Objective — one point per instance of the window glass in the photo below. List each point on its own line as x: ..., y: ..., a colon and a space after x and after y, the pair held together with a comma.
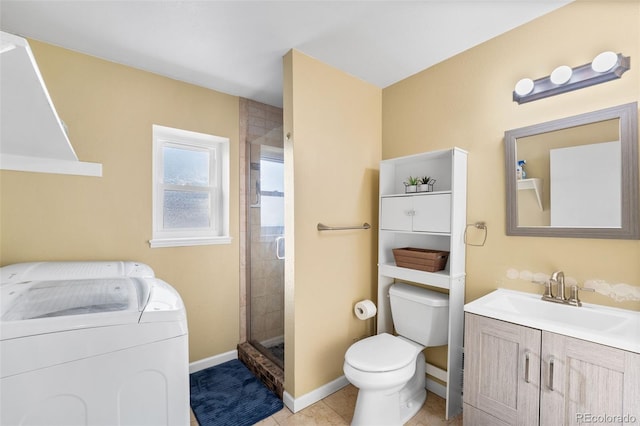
x: 272, y: 212
x: 271, y: 195
x: 186, y: 209
x: 185, y: 166
x: 271, y: 175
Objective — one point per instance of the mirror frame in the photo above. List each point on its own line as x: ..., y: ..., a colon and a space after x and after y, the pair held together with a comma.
x: 630, y: 229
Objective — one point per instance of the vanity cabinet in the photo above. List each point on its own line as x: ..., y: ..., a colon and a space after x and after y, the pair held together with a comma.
x: 427, y: 220
x: 516, y: 375
x: 502, y: 372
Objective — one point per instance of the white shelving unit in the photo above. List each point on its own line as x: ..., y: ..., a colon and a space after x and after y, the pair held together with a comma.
x: 429, y: 220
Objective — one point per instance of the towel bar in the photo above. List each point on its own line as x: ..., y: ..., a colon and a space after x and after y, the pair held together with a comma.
x: 323, y: 227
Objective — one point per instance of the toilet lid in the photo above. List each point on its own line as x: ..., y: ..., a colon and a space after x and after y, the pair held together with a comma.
x: 379, y: 353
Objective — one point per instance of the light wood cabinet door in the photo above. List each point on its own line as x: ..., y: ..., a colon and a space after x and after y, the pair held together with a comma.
x: 584, y: 382
x: 502, y: 370
x: 474, y: 417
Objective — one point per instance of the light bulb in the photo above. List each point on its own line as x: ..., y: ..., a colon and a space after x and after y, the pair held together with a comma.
x: 561, y: 75
x: 524, y: 86
x: 604, y: 61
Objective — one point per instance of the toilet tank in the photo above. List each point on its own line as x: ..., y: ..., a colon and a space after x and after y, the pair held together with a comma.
x: 419, y: 314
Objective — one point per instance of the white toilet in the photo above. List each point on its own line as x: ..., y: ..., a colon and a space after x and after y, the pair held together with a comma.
x: 389, y: 371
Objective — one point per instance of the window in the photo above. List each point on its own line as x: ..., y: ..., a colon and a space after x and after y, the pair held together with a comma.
x: 271, y: 191
x: 190, y: 188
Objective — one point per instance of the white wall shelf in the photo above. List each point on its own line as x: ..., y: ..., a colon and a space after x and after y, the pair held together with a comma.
x: 439, y: 279
x: 405, y: 194
x: 534, y: 184
x: 431, y: 220
x: 33, y: 136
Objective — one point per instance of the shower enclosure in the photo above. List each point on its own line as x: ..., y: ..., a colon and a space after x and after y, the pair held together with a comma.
x: 265, y: 284
x: 261, y: 346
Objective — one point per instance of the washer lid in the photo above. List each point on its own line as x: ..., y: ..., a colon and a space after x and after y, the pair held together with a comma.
x: 380, y: 353
x: 37, y: 307
x: 72, y: 270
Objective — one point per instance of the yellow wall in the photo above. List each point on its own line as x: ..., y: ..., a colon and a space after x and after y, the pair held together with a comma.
x: 335, y: 124
x: 466, y: 102
x: 109, y: 110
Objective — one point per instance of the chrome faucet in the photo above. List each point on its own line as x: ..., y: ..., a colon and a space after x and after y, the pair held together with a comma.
x: 558, y: 278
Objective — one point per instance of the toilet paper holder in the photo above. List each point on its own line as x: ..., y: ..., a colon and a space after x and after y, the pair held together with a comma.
x: 365, y: 309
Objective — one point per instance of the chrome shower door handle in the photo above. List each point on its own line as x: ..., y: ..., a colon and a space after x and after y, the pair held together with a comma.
x: 551, y: 363
x: 280, y: 248
x: 258, y: 196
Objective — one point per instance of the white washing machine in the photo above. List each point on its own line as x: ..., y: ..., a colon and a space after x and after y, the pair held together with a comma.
x: 91, y: 343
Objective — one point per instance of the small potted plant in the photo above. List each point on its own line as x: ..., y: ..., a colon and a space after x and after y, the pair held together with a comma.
x: 423, y: 184
x: 411, y: 184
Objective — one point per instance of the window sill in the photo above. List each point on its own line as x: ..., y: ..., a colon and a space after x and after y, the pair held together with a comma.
x: 185, y: 242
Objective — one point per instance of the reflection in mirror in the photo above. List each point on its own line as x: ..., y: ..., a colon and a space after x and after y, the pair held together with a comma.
x: 575, y: 173
x: 575, y: 177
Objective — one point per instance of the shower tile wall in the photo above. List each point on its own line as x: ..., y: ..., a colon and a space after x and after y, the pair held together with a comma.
x: 263, y: 126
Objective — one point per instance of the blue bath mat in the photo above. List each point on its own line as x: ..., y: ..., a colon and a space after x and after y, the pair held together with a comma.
x: 229, y: 394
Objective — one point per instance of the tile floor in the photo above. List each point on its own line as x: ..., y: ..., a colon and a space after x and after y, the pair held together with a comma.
x: 337, y: 409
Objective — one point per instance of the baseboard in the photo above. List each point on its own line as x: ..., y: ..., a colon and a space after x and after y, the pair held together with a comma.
x: 212, y: 360
x: 297, y: 404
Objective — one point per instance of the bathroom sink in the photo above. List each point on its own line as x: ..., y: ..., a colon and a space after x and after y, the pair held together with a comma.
x: 619, y: 328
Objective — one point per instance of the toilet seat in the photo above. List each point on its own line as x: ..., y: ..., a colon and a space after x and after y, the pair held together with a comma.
x: 380, y: 353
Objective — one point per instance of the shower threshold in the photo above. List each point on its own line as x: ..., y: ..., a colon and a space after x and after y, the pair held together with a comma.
x: 270, y: 372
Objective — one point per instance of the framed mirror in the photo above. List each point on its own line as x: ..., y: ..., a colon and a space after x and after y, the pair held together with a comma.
x: 576, y: 177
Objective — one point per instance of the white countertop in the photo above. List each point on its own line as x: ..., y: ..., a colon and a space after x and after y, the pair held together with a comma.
x: 618, y: 328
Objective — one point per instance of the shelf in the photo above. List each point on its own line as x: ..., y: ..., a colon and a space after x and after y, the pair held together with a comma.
x: 418, y: 233
x: 431, y: 220
x: 534, y: 184
x: 439, y: 279
x: 49, y: 165
x: 414, y: 194
x: 33, y: 136
x: 437, y: 165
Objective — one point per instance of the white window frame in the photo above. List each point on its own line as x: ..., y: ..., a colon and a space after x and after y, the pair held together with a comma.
x: 218, y: 148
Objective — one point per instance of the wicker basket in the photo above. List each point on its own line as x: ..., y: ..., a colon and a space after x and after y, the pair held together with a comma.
x: 421, y: 259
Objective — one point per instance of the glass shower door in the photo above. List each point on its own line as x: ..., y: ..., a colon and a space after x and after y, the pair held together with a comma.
x: 267, y: 252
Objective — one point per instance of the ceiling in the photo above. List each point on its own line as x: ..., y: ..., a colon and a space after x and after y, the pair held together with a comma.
x: 236, y: 47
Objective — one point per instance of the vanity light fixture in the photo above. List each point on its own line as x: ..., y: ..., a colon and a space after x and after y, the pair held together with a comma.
x: 606, y: 66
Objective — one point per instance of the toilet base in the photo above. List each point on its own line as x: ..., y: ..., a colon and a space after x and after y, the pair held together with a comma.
x: 414, y: 394
x: 392, y: 407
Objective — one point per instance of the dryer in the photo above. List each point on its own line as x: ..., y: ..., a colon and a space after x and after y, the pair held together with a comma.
x: 91, y: 343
